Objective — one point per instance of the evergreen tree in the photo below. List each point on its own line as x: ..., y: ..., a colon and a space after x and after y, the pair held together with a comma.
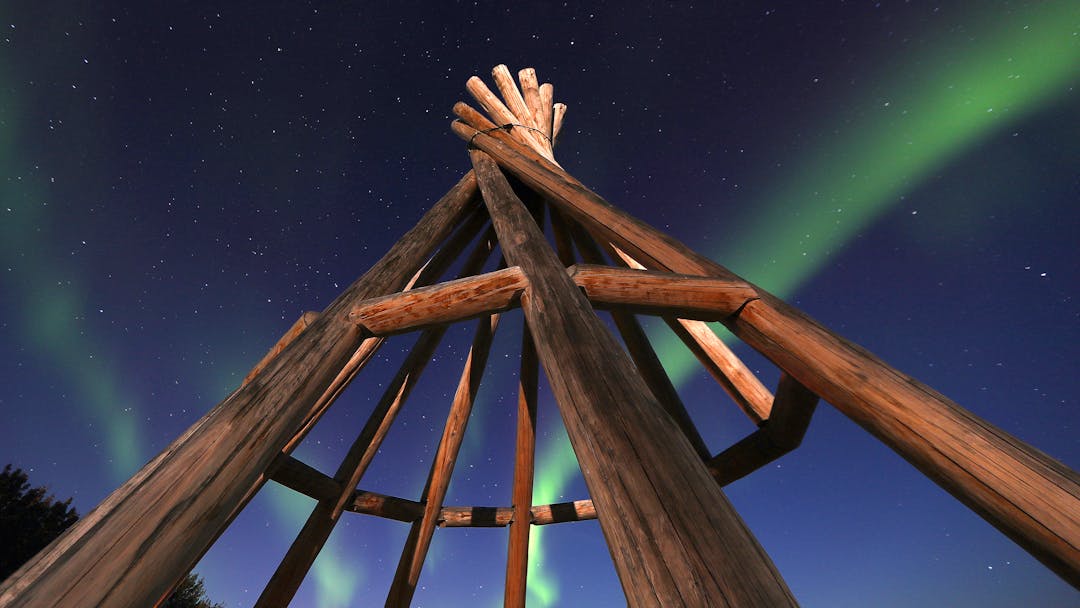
x: 30, y: 519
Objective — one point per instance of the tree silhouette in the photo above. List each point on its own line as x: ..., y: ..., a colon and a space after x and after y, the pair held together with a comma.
x: 30, y: 519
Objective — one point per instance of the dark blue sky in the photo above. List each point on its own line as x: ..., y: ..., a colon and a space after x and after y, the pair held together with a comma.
x: 181, y: 182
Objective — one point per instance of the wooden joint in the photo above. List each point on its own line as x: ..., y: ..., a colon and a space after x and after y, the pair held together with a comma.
x: 781, y: 433
x: 287, y: 338
x: 303, y: 478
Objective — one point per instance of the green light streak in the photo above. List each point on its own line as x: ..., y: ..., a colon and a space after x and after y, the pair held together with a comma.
x: 556, y: 466
x: 54, y: 308
x: 918, y: 121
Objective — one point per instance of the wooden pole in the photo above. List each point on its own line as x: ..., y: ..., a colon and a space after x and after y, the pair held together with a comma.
x: 290, y: 573
x: 419, y: 539
x: 661, y: 293
x: 1029, y: 496
x: 517, y: 560
x: 722, y: 364
x: 673, y: 536
x: 449, y: 302
x: 780, y: 434
x: 147, y: 534
x: 645, y: 358
x: 297, y: 328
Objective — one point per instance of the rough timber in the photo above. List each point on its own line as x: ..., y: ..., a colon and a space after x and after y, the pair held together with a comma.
x: 655, y: 486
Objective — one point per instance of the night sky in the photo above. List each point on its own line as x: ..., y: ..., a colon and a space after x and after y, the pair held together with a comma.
x: 181, y: 182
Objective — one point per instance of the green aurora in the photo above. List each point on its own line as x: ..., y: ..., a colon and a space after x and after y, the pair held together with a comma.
x: 923, y: 114
x: 927, y: 113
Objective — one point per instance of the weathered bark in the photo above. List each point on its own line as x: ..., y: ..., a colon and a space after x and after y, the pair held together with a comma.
x: 517, y: 558
x: 290, y: 573
x: 419, y: 539
x: 1027, y: 495
x: 661, y: 293
x: 448, y: 302
x: 780, y: 434
x: 147, y: 534
x: 674, y: 537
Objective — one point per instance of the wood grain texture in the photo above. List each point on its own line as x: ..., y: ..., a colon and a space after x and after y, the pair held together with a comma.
x: 661, y: 293
x: 387, y: 507
x: 419, y: 539
x: 449, y: 302
x: 296, y: 563
x: 674, y: 537
x: 297, y: 328
x: 147, y: 534
x: 781, y: 433
x: 723, y: 365
x: 1027, y: 495
x: 729, y: 371
x: 305, y: 479
x: 538, y: 515
x: 641, y: 351
x: 517, y: 559
x: 530, y: 90
x: 547, y: 101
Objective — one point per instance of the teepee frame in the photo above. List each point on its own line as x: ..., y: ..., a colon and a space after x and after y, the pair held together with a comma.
x: 655, y: 486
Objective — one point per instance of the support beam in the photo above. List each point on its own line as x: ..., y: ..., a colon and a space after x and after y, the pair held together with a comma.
x: 305, y: 479
x: 125, y: 554
x: 1029, y: 496
x: 297, y: 328
x: 641, y: 351
x: 419, y: 539
x: 495, y: 517
x: 780, y: 434
x: 661, y: 293
x: 673, y: 535
x: 290, y: 573
x: 722, y: 364
x: 449, y: 302
x: 517, y: 558
x: 388, y: 507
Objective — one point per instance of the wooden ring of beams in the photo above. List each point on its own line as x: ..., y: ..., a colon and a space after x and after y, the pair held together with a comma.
x: 685, y: 298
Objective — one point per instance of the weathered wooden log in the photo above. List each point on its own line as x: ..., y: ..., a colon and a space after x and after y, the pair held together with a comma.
x: 448, y: 302
x: 559, y: 111
x: 661, y: 293
x: 530, y: 90
x: 673, y: 536
x: 561, y: 512
x: 781, y: 433
x: 497, y: 517
x: 419, y: 539
x: 729, y: 371
x: 641, y: 351
x: 305, y: 479
x: 722, y: 364
x: 517, y: 553
x: 547, y: 101
x: 125, y: 554
x: 1029, y: 496
x: 503, y: 114
x: 305, y: 548
x: 297, y: 328
x: 388, y: 507
x: 514, y: 100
